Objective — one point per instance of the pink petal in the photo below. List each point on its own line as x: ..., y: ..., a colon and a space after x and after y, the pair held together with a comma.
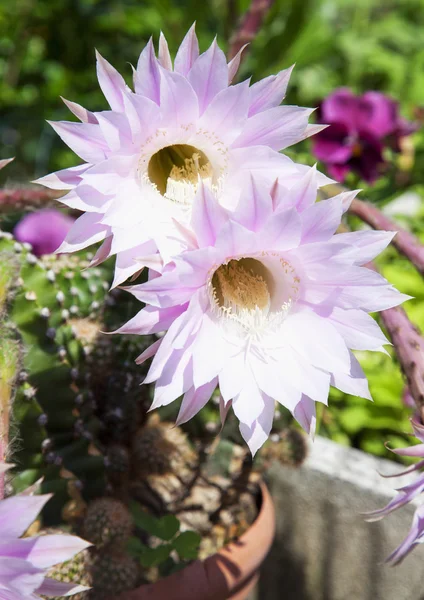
x: 52, y: 588
x: 163, y: 55
x: 305, y: 415
x: 301, y: 375
x: 178, y: 100
x: 116, y: 130
x: 224, y: 407
x: 149, y: 352
x: 321, y: 220
x: 85, y: 139
x: 364, y: 246
x: 80, y: 112
x: 305, y: 191
x: 269, y: 92
x: 355, y: 383
x: 191, y: 322
x: 414, y: 537
x: 18, y: 512
x: 234, y: 64
x: 5, y: 161
x: 316, y: 339
x: 152, y: 320
x: 249, y: 403
x: 175, y: 379
x: 269, y: 378
x: 19, y: 577
x: 416, y: 451
x: 313, y: 129
x: 255, y: 205
x: 236, y: 240
x: 319, y: 256
x: 111, y: 83
x: 358, y: 329
x: 165, y: 352
x: 227, y: 113
x: 85, y: 231
x: 187, y: 53
x: 66, y: 179
x: 194, y: 400
x: 146, y: 76
x: 207, y: 216
x: 232, y: 376
x: 209, y: 75
x: 277, y: 127
x: 44, y: 551
x: 257, y: 434
x: 282, y: 231
x: 355, y: 287
x: 103, y: 252
x: 143, y: 116
x: 347, y: 198
x: 209, y: 352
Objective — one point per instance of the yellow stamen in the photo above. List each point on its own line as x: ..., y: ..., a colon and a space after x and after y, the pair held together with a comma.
x: 180, y: 162
x: 242, y: 283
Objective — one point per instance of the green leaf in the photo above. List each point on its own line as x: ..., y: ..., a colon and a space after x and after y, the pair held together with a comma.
x: 152, y: 557
x: 169, y: 526
x: 165, y: 528
x: 187, y: 545
x: 135, y: 547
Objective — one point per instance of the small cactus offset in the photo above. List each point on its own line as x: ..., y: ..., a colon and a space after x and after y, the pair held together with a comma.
x: 107, y: 523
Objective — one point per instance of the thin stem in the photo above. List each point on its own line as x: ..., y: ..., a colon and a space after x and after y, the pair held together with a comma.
x: 20, y: 198
x: 409, y: 346
x: 250, y: 25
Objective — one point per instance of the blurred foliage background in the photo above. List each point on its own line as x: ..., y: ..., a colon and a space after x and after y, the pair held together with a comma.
x: 47, y: 51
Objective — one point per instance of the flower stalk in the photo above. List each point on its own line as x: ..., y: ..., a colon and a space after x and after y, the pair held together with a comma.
x: 24, y: 197
x: 250, y: 25
x: 409, y: 346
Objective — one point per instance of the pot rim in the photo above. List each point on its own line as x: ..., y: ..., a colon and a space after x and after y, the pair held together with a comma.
x: 222, y: 574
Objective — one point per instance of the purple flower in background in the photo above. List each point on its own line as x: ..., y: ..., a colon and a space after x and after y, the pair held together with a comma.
x: 44, y: 229
x: 23, y: 562
x: 405, y: 495
x: 360, y: 127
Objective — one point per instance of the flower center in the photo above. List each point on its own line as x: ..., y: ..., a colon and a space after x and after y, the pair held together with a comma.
x: 242, y: 284
x: 175, y: 165
x: 252, y: 297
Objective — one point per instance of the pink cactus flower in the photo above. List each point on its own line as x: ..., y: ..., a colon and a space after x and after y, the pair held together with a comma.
x: 23, y: 562
x: 405, y: 495
x: 268, y: 304
x: 144, y: 157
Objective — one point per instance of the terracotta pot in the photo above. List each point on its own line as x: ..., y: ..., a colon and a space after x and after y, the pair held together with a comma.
x: 230, y: 574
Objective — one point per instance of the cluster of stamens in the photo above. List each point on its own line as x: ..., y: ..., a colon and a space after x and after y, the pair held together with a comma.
x: 241, y: 292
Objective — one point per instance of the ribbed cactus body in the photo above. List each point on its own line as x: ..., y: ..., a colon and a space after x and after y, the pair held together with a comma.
x: 52, y: 309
